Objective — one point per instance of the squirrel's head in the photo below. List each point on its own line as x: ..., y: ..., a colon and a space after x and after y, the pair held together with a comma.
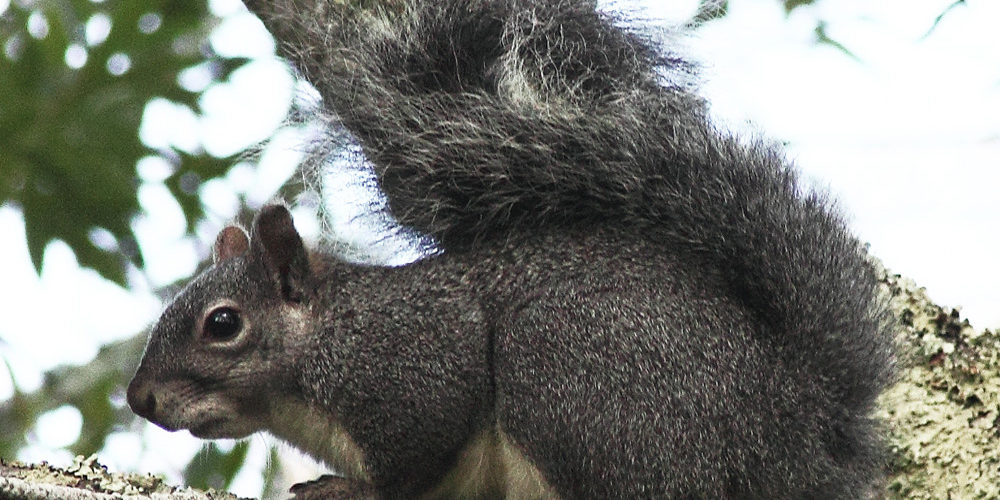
x: 226, y: 339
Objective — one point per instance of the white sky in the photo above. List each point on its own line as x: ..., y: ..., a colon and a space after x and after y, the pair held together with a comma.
x: 908, y: 138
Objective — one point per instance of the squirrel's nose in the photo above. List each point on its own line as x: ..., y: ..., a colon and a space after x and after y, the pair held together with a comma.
x: 141, y: 398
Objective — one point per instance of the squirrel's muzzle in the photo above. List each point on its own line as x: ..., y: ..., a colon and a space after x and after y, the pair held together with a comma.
x: 141, y: 398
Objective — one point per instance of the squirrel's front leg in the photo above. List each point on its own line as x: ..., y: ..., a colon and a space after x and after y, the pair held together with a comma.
x: 330, y: 487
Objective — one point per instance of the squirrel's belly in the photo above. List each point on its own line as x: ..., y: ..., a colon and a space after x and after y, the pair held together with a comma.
x: 491, y: 466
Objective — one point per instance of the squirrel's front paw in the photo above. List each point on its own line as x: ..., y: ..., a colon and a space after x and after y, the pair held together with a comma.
x: 334, y: 488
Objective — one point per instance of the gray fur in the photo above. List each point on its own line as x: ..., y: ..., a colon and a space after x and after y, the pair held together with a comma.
x: 643, y: 304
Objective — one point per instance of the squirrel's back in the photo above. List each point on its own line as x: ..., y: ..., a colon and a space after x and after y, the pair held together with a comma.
x: 492, y: 122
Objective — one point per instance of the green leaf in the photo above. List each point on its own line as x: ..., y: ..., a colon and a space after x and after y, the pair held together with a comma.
x: 271, y: 473
x: 214, y: 468
x: 18, y: 415
x: 707, y: 11
x: 184, y: 183
x: 791, y: 5
x: 824, y: 38
x: 88, y: 387
x: 69, y: 135
x: 940, y: 17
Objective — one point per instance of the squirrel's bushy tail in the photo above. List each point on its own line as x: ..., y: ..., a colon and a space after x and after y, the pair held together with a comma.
x: 485, y: 118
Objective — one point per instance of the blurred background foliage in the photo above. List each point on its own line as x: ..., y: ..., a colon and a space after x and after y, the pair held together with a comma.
x: 75, y: 79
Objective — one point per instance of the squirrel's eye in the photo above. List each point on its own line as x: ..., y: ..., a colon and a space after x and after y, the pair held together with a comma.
x: 223, y: 324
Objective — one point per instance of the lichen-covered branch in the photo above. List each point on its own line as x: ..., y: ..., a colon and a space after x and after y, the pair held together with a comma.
x: 86, y: 479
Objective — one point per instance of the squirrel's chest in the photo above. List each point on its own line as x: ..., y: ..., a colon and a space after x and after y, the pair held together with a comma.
x: 491, y: 466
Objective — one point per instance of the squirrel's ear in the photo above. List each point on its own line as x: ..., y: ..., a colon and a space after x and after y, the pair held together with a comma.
x: 232, y: 241
x: 282, y: 249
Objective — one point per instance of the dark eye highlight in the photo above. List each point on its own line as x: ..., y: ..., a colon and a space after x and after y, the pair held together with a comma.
x: 222, y: 324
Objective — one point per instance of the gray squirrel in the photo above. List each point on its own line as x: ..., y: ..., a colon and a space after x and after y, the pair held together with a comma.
x: 630, y: 302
